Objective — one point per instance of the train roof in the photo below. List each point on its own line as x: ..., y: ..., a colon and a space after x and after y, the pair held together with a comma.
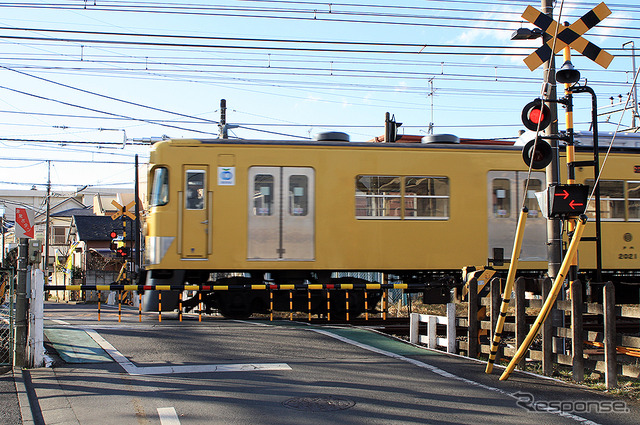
x: 623, y: 142
x: 312, y: 143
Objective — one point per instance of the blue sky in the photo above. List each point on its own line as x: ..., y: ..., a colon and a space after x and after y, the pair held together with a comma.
x: 72, y: 76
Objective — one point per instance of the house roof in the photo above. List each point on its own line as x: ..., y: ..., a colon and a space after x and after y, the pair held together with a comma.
x: 74, y: 211
x: 97, y: 228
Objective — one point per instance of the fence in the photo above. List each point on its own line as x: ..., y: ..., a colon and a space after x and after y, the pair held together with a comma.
x: 7, y: 317
x: 431, y: 338
x: 600, y: 347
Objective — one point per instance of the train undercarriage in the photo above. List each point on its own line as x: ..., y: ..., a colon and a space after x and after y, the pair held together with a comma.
x: 239, y: 295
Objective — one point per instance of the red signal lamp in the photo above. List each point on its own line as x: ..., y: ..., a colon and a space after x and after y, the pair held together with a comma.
x: 536, y: 116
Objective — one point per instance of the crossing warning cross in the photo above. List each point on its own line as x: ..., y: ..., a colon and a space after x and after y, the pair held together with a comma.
x: 567, y: 36
x: 123, y: 210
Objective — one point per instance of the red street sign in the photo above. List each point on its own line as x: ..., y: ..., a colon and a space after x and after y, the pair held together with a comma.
x: 24, y: 223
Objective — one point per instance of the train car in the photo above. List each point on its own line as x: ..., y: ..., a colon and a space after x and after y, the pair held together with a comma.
x: 231, y: 212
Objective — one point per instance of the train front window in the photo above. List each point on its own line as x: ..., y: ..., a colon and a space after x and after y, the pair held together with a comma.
x: 263, y: 195
x: 195, y: 190
x: 298, y: 199
x: 378, y: 196
x: 426, y: 197
x: 160, y: 187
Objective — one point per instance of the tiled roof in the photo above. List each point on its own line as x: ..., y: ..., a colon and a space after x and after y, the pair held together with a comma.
x: 97, y: 228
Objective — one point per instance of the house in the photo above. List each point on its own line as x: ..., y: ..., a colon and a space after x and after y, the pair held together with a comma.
x: 63, y: 206
x: 92, y: 235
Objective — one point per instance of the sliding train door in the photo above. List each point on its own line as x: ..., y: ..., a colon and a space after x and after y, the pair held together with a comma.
x: 506, y: 190
x: 281, y: 216
x: 195, y: 209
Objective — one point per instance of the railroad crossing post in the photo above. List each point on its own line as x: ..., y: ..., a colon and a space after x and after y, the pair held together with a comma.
x: 554, y: 225
x: 22, y: 307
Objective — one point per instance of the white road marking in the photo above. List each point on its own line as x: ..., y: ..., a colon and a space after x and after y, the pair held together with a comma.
x: 445, y: 374
x: 168, y: 416
x: 132, y: 369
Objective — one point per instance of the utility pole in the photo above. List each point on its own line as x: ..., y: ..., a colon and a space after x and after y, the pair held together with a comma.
x: 22, y: 307
x: 137, y: 243
x: 46, y: 227
x: 223, y: 119
x: 554, y: 225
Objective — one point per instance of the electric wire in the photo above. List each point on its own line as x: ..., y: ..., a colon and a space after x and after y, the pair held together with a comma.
x: 611, y: 143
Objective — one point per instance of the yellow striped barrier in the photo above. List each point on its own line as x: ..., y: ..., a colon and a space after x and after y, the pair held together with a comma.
x: 506, y: 296
x: 548, y: 304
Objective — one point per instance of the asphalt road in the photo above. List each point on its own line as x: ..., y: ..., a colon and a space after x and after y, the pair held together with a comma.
x: 258, y: 372
x: 9, y: 408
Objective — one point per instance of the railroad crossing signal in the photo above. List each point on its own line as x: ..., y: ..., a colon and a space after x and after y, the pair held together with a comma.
x: 567, y: 36
x: 123, y: 210
x: 536, y: 115
x: 567, y: 200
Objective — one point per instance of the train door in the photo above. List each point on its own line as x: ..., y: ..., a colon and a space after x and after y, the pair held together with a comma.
x: 506, y: 191
x: 281, y: 216
x: 195, y: 210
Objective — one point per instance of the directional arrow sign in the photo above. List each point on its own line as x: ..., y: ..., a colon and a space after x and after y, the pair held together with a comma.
x: 567, y: 36
x: 567, y: 200
x: 24, y: 223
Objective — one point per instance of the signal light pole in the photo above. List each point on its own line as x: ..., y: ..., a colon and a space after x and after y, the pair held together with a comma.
x: 554, y: 225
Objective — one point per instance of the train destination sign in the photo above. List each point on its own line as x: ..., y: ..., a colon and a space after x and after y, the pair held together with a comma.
x: 567, y: 200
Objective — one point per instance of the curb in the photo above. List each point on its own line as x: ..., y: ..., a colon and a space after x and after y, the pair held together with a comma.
x: 23, y: 398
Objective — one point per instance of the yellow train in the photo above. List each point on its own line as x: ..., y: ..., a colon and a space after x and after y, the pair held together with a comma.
x: 250, y: 212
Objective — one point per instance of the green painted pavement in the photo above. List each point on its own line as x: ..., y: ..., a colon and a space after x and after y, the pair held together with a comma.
x: 382, y: 342
x: 75, y: 346
x: 367, y: 337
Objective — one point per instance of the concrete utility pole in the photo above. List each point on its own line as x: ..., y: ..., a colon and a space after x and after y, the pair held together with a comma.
x: 47, y: 226
x: 22, y: 307
x: 223, y: 119
x: 554, y: 225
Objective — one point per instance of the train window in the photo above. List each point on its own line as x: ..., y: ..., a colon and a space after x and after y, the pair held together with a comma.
x: 298, y: 199
x: 263, y: 194
x: 195, y: 189
x: 160, y: 187
x: 612, y: 206
x: 378, y: 196
x: 426, y: 197
x: 633, y: 196
x: 531, y: 202
x: 501, y: 198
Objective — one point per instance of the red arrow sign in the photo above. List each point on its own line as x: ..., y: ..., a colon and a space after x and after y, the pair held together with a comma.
x: 22, y: 220
x: 573, y: 204
x: 564, y: 194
